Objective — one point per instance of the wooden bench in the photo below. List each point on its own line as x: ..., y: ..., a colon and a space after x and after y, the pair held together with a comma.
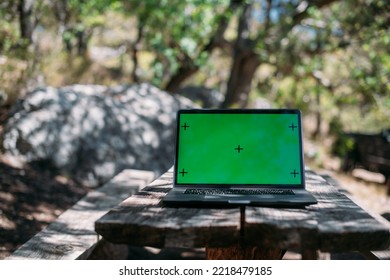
x: 371, y: 255
x: 72, y: 235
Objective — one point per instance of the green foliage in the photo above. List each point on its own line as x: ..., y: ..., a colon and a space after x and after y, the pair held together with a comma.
x: 89, y: 13
x: 343, y: 144
x: 16, y: 54
x: 176, y: 32
x: 334, y: 60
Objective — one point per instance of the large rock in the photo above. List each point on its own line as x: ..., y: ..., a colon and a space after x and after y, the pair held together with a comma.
x: 92, y: 132
x: 205, y: 97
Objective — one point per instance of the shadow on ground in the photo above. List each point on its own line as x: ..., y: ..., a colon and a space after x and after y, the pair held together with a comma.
x: 30, y: 199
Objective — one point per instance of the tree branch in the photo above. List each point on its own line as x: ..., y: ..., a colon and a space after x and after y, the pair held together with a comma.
x: 188, y: 68
x: 302, y: 10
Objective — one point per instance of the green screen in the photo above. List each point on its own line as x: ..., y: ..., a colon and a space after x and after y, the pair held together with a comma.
x: 238, y: 148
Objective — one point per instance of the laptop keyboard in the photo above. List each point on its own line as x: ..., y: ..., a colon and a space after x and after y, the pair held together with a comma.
x: 239, y: 191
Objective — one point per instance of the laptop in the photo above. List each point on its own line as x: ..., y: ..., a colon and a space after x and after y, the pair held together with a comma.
x: 239, y: 157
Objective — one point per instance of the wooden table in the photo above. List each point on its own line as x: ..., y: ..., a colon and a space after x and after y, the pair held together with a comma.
x: 335, y: 224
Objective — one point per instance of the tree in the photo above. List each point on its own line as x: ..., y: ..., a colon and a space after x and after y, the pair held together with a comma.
x: 180, y: 34
x: 18, y: 20
x: 191, y: 34
x: 78, y: 19
x: 321, y: 51
x: 26, y: 13
x: 27, y: 20
x: 251, y: 49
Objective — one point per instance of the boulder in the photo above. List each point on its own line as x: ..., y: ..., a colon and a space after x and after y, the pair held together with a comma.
x: 92, y: 132
x: 205, y: 97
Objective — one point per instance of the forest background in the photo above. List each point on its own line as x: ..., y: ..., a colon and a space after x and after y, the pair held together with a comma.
x: 328, y: 58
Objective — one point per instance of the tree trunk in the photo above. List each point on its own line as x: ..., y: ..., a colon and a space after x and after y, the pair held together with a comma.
x: 317, y: 131
x: 26, y: 21
x: 184, y: 72
x: 136, y: 46
x: 245, y: 63
x: 83, y: 36
x: 61, y: 12
x: 240, y: 80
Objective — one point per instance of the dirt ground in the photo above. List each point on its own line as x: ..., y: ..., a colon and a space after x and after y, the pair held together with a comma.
x: 367, y: 189
x: 29, y: 200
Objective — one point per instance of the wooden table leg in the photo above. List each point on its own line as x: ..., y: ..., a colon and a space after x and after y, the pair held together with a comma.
x: 240, y: 252
x: 309, y: 254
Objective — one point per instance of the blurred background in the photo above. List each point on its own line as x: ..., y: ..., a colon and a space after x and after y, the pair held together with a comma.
x: 328, y: 58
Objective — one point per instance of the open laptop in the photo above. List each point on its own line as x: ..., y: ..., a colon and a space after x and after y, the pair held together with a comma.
x: 239, y: 157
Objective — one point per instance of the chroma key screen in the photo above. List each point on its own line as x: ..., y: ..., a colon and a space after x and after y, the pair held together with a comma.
x: 242, y: 147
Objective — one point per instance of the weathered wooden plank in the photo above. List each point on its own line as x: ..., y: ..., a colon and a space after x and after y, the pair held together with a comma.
x: 381, y: 255
x: 72, y: 235
x: 343, y: 225
x: 143, y: 220
x: 335, y: 224
x: 242, y: 252
x: 280, y: 228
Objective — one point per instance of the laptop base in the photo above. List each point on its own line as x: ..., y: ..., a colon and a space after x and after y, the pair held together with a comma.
x: 301, y: 198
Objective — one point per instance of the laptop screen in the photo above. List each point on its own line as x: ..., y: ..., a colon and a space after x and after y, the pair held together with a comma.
x: 243, y: 147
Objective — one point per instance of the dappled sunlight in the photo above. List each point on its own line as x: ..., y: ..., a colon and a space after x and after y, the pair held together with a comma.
x: 90, y: 90
x: 7, y: 224
x: 93, y: 132
x: 30, y: 200
x: 54, y: 242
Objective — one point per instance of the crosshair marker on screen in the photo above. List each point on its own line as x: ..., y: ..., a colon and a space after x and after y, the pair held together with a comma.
x: 183, y: 172
x: 292, y: 126
x: 294, y: 173
x: 239, y: 149
x: 185, y: 126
